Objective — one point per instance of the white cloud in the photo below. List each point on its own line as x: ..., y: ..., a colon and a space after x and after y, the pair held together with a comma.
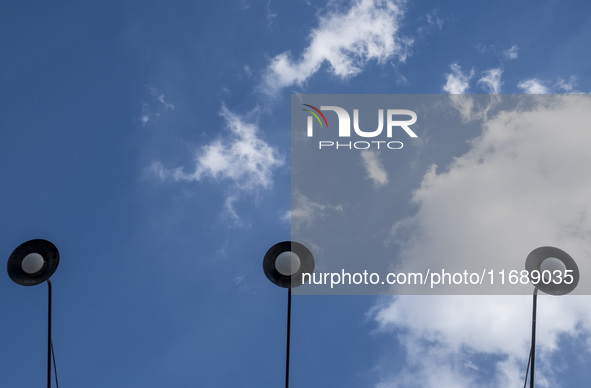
x: 151, y: 112
x: 305, y: 211
x: 566, y: 86
x: 536, y: 154
x: 434, y: 20
x: 512, y: 52
x: 145, y: 116
x: 230, y: 211
x: 533, y: 86
x: 166, y: 104
x: 491, y: 80
x: 241, y: 158
x: 443, y: 335
x: 374, y: 168
x: 522, y: 185
x: 457, y: 82
x: 271, y: 16
x: 537, y: 86
x: 346, y: 41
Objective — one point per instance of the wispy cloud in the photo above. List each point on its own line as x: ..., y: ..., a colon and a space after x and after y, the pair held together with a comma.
x: 374, y: 168
x: 432, y: 23
x: 533, y: 86
x: 511, y: 53
x: 457, y: 81
x: 155, y: 107
x: 166, y: 104
x: 305, y: 211
x: 491, y: 80
x: 457, y: 84
x: 346, y: 41
x: 537, y: 86
x: 271, y: 16
x: 435, y: 20
x: 146, y: 116
x: 240, y: 158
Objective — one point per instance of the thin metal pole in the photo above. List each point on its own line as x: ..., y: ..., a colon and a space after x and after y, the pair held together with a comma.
x: 288, y: 337
x: 49, y: 335
x: 533, y: 338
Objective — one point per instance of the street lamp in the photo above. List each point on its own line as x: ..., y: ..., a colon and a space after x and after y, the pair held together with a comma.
x: 554, y: 272
x: 284, y: 265
x: 32, y: 263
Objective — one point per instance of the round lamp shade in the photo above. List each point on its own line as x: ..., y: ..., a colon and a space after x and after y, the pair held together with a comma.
x: 33, y: 262
x: 285, y: 262
x: 547, y: 260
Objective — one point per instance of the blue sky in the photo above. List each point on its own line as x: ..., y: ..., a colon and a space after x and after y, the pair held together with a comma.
x: 150, y: 142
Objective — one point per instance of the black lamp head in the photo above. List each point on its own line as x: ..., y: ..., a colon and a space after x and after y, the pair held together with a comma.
x: 547, y: 260
x: 33, y: 262
x: 285, y: 262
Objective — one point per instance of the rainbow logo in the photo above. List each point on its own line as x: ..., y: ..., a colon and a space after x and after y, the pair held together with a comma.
x: 315, y: 115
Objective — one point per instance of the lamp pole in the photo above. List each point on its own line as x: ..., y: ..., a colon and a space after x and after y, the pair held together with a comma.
x: 283, y: 264
x: 32, y: 263
x: 288, y: 337
x: 49, y: 342
x: 533, y: 338
x: 554, y: 272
